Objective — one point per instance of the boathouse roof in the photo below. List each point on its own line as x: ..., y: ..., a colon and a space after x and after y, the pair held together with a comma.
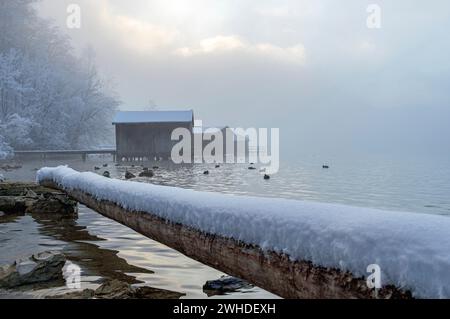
x: 134, y: 117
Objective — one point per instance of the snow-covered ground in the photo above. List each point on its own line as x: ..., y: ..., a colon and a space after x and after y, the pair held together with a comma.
x: 413, y: 250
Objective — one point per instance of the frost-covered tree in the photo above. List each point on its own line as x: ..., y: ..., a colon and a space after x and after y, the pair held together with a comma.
x: 49, y: 98
x: 5, y: 150
x: 16, y: 130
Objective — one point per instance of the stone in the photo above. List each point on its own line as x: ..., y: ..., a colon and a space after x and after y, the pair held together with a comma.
x: 116, y: 289
x: 51, y: 205
x: 32, y: 198
x: 129, y: 175
x: 225, y: 284
x: 31, y: 194
x: 83, y: 294
x: 8, y: 167
x: 11, y: 204
x: 148, y: 173
x: 206, y: 173
x: 155, y: 293
x: 41, y: 267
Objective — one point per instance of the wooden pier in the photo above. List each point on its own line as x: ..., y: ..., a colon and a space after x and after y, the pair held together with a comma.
x: 47, y: 153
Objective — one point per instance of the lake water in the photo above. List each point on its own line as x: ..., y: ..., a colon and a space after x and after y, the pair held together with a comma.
x: 106, y: 249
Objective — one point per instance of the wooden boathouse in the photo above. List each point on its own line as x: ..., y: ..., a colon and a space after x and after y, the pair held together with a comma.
x: 144, y: 135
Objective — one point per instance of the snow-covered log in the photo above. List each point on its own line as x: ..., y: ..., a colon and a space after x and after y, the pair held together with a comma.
x: 296, y: 249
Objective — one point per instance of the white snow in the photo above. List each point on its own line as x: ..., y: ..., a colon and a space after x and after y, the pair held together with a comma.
x: 153, y: 116
x: 207, y: 130
x: 413, y: 250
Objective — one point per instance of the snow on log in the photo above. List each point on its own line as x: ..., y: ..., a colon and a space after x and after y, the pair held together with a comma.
x: 296, y: 249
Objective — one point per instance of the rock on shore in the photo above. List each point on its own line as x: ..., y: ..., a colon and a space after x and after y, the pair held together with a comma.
x: 10, y: 166
x: 41, y: 267
x: 224, y: 285
x: 116, y: 289
x: 32, y: 198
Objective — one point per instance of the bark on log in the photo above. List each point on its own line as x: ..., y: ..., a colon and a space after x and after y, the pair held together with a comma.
x: 267, y: 269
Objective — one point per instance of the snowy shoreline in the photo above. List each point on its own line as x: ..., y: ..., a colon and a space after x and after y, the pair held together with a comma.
x: 413, y: 250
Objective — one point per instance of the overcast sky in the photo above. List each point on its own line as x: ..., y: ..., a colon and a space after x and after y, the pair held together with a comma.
x: 310, y: 67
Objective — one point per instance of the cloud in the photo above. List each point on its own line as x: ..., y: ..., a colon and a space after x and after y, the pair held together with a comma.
x: 235, y: 44
x: 136, y: 34
x: 142, y: 33
x: 212, y: 45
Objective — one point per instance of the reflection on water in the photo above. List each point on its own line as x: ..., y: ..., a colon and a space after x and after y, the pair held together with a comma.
x: 105, y: 249
x: 80, y: 248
